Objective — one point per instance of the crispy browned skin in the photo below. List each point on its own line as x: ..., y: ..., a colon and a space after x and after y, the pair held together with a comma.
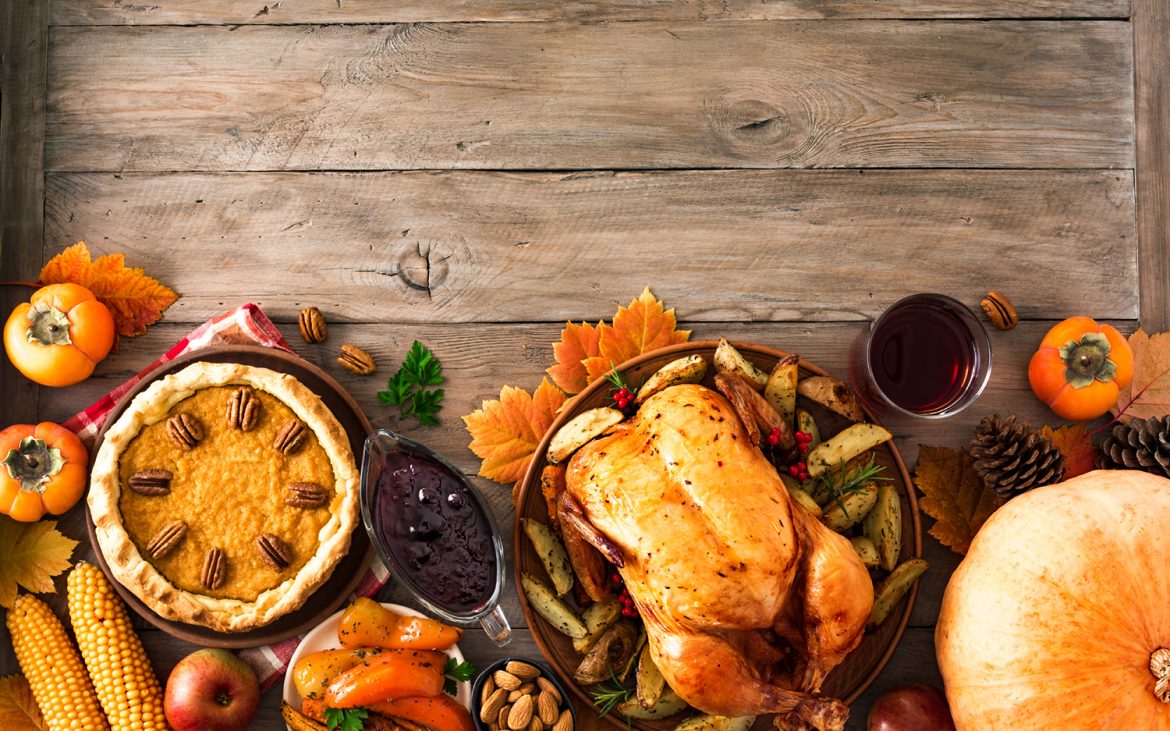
x: 748, y: 602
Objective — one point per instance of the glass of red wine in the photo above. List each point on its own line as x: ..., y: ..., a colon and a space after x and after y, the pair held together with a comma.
x: 926, y: 356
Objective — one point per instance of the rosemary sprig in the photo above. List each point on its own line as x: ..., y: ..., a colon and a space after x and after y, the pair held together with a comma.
x: 607, y: 695
x: 615, y: 379
x: 840, y: 483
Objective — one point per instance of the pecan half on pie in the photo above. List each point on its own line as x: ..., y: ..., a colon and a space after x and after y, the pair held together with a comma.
x: 224, y: 495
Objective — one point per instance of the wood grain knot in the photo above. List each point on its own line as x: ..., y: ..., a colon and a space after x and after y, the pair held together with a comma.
x: 422, y: 268
x: 754, y: 122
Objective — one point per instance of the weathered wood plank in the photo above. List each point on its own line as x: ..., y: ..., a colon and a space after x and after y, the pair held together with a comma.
x: 227, y: 12
x: 24, y: 49
x: 460, y: 246
x: 1151, y: 29
x: 600, y: 96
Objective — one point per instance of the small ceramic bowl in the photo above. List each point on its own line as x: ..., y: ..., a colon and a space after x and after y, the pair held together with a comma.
x: 545, y: 671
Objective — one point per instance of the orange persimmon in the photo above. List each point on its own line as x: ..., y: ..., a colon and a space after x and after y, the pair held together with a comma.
x: 368, y: 623
x: 438, y: 713
x: 43, y: 470
x: 58, y: 337
x: 1080, y: 367
x: 393, y: 674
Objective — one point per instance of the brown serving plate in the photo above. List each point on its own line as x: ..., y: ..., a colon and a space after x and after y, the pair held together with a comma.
x: 348, y: 571
x: 852, y: 676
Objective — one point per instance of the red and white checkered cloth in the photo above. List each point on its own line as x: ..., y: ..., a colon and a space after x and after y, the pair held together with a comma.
x: 245, y: 325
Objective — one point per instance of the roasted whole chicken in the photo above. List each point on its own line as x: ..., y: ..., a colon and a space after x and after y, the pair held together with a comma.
x: 748, y: 600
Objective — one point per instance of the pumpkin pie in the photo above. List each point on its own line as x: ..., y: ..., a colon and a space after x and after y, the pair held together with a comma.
x: 224, y: 495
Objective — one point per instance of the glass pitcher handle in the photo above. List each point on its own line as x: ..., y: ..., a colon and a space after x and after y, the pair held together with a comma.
x: 495, y: 625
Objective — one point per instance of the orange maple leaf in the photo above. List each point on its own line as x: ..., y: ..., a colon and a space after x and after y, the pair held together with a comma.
x: 578, y: 343
x: 135, y: 300
x: 954, y: 495
x: 643, y: 326
x: 505, y: 433
x: 18, y: 710
x: 1080, y: 456
x: 1148, y: 394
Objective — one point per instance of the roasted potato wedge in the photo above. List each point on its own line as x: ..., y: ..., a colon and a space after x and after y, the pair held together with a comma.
x: 551, y: 553
x: 883, y: 525
x: 807, y: 424
x: 580, y: 430
x: 298, y: 721
x: 598, y: 617
x: 616, y: 648
x: 705, y: 722
x: 552, y: 484
x: 866, y: 551
x: 544, y: 600
x: 834, y: 395
x: 891, y: 589
x: 780, y: 390
x: 690, y: 369
x: 668, y: 705
x: 804, y: 500
x: 757, y: 415
x: 845, y: 511
x: 650, y: 682
x: 632, y: 660
x: 849, y: 443
x: 730, y: 360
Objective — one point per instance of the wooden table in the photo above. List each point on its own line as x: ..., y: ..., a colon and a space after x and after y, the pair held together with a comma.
x: 472, y: 174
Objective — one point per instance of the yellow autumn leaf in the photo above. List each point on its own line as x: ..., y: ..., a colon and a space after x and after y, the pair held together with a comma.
x: 578, y: 343
x: 18, y: 710
x: 31, y: 554
x: 505, y: 432
x: 643, y: 326
x: 134, y: 299
x: 954, y: 495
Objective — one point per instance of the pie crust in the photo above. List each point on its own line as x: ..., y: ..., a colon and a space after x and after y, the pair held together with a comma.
x: 148, y: 583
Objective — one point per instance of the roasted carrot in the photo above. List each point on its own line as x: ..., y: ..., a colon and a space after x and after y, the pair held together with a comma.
x: 438, y: 713
x: 314, y: 708
x: 313, y: 672
x: 393, y: 674
x: 368, y: 623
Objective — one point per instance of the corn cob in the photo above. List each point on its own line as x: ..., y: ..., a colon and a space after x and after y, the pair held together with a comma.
x: 125, y: 682
x: 59, y: 683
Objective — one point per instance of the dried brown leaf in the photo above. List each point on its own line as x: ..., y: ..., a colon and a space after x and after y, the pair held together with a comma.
x: 1148, y: 394
x: 954, y: 495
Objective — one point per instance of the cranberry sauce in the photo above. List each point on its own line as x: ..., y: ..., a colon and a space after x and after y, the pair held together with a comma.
x: 436, y: 532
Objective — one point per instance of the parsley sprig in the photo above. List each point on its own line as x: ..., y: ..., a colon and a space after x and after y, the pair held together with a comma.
x: 408, y: 389
x: 346, y: 719
x: 841, y: 482
x: 456, y: 672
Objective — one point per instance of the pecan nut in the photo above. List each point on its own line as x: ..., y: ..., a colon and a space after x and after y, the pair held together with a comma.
x: 151, y: 482
x: 356, y: 360
x: 311, y: 323
x: 243, y: 411
x: 307, y: 495
x: 1000, y: 310
x: 291, y: 437
x: 275, y: 551
x: 185, y: 430
x: 214, y: 569
x: 167, y: 539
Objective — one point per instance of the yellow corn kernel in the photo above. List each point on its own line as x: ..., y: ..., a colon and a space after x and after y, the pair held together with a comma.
x: 50, y: 662
x: 125, y: 682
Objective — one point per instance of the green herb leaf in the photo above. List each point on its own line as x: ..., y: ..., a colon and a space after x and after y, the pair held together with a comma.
x: 407, y: 389
x: 346, y: 719
x: 606, y: 696
x: 841, y: 482
x: 456, y: 672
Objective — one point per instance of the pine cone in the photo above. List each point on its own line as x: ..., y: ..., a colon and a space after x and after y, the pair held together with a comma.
x: 1013, y: 458
x: 1139, y: 445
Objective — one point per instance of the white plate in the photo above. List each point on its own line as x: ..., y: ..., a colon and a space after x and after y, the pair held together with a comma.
x: 324, y: 637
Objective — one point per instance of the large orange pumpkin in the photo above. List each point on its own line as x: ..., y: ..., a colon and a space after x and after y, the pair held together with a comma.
x: 1055, y: 618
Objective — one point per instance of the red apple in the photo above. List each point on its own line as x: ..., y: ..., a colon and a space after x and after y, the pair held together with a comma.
x: 913, y: 707
x: 211, y: 690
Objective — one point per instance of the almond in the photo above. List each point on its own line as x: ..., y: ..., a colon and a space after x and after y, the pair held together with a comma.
x: 491, y: 707
x: 502, y: 718
x: 536, y: 724
x: 522, y: 670
x: 547, y: 708
x: 546, y: 686
x: 515, y: 695
x: 506, y: 680
x: 565, y: 722
x: 489, y: 687
x: 521, y: 714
